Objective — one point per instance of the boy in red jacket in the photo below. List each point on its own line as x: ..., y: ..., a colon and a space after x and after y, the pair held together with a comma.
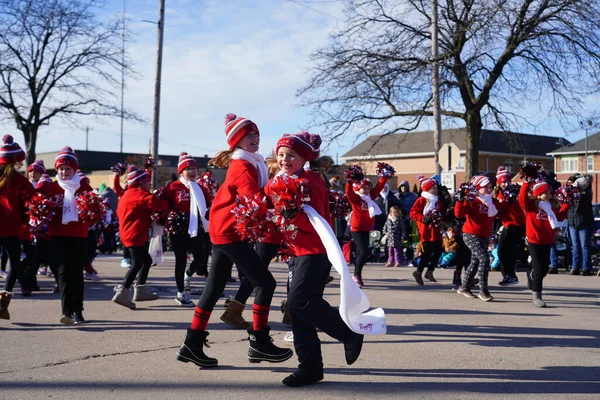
x: 430, y: 234
x: 15, y: 189
x: 541, y: 224
x: 133, y: 211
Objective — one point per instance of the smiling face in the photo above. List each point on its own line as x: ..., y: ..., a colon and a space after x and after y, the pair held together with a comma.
x: 503, y: 185
x: 190, y: 174
x: 433, y: 190
x: 288, y: 161
x: 34, y: 175
x: 487, y: 189
x: 250, y: 142
x: 65, y: 172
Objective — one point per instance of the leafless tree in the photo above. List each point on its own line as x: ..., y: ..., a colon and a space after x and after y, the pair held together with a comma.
x: 57, y: 60
x: 495, y: 56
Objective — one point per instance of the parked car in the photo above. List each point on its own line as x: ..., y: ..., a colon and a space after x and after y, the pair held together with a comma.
x: 596, y: 211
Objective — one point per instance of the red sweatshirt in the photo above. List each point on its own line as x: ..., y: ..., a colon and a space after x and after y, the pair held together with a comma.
x: 12, y: 204
x: 361, y: 221
x: 427, y: 233
x: 512, y: 214
x: 56, y: 227
x: 133, y: 211
x: 178, y: 196
x: 537, y: 226
x: 119, y: 190
x: 478, y: 223
x: 241, y: 179
x: 307, y: 241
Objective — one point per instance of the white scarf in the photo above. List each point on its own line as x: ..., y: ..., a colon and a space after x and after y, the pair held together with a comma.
x: 373, y: 207
x: 255, y: 159
x: 197, y: 207
x: 547, y: 208
x: 487, y: 199
x: 432, y: 200
x: 69, y: 208
x: 353, y: 301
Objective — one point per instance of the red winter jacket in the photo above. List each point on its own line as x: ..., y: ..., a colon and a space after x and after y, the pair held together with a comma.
x: 241, y: 179
x: 361, y: 221
x: 477, y: 221
x: 12, y: 204
x: 427, y: 233
x: 537, y: 226
x: 133, y: 211
x: 178, y: 196
x: 56, y: 227
x: 512, y: 214
x: 307, y: 241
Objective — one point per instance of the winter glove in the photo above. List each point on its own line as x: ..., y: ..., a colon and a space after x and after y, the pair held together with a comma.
x: 460, y: 196
x: 427, y: 220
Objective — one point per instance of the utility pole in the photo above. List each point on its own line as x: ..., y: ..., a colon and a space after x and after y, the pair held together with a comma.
x: 155, y: 123
x: 87, y: 138
x: 435, y: 80
x: 122, y: 74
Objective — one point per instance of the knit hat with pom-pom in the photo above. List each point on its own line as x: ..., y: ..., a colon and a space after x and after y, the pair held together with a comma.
x: 305, y: 144
x: 44, y: 180
x: 541, y: 188
x: 502, y: 175
x: 427, y: 184
x: 480, y: 181
x: 10, y: 152
x: 136, y: 177
x: 185, y: 161
x: 38, y: 165
x: 356, y: 186
x: 66, y: 157
x: 83, y: 177
x: 236, y: 128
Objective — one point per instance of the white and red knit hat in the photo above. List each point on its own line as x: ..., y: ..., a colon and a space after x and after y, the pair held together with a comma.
x: 45, y: 178
x: 185, y: 161
x: 426, y: 184
x: 306, y: 145
x: 358, y: 185
x: 10, y: 152
x: 502, y: 175
x: 480, y: 181
x: 82, y: 177
x: 66, y: 157
x: 38, y: 165
x: 136, y: 176
x: 236, y: 128
x: 541, y: 188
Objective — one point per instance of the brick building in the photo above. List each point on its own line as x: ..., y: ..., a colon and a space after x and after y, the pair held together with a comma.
x: 412, y: 153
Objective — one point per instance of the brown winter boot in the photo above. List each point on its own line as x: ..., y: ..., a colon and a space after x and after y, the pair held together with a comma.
x: 287, y: 318
x: 233, y: 315
x: 141, y: 293
x: 4, y: 302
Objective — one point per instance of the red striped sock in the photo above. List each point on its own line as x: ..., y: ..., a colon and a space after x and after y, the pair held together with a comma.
x: 260, y: 316
x: 200, y: 320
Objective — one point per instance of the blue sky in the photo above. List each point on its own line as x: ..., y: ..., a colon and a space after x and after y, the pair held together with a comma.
x: 243, y: 56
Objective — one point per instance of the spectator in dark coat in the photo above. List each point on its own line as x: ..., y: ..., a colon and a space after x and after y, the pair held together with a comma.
x: 551, y: 180
x: 581, y: 224
x: 385, y: 201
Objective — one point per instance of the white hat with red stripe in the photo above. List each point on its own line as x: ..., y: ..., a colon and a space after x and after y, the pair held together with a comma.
x: 136, y: 176
x: 236, y: 128
x: 541, y: 188
x: 502, y: 175
x: 480, y: 181
x: 66, y: 157
x: 185, y: 161
x: 10, y: 151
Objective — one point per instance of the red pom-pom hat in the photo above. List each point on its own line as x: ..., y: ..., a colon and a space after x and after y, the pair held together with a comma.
x: 38, y: 165
x: 185, y: 161
x: 480, y: 181
x: 66, y: 157
x: 427, y: 184
x: 541, y: 188
x: 303, y: 143
x: 236, y: 128
x: 502, y: 175
x: 10, y: 152
x: 136, y: 176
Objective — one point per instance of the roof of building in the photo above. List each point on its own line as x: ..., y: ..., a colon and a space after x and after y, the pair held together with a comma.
x: 578, y: 147
x: 421, y: 143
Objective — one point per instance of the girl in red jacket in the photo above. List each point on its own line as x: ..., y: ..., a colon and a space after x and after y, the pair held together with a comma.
x: 541, y: 223
x: 14, y: 190
x: 479, y: 215
x: 185, y: 195
x: 310, y: 267
x: 246, y: 175
x: 512, y: 231
x: 430, y: 235
x: 364, y: 209
x: 133, y: 211
x: 68, y: 236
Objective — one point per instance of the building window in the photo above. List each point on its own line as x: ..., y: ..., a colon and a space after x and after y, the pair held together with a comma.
x: 509, y: 164
x: 568, y: 164
x: 590, y: 163
x: 461, y: 164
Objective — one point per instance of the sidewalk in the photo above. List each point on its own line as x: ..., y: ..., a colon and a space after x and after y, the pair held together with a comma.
x: 439, y: 345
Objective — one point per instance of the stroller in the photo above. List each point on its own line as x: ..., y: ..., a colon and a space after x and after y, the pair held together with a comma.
x: 564, y: 248
x: 377, y: 250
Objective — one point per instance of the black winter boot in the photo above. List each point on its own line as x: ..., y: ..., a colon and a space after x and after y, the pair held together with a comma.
x: 353, y: 347
x: 192, y: 350
x: 263, y: 349
x: 303, y: 378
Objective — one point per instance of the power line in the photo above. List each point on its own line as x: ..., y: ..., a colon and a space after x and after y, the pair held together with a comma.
x: 314, y: 9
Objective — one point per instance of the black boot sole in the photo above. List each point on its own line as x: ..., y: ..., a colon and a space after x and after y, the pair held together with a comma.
x: 255, y: 357
x: 197, y: 361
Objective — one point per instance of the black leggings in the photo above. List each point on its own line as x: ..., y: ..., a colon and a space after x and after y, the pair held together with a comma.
x: 69, y: 254
x: 12, y: 246
x: 431, y: 254
x: 266, y: 252
x: 509, y: 244
x: 540, y: 262
x: 246, y: 259
x: 92, y: 245
x: 28, y: 277
x: 361, y: 239
x: 140, y: 262
x: 181, y: 245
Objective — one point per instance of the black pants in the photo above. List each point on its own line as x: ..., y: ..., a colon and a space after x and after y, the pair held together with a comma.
x: 181, y: 245
x: 140, y: 265
x: 126, y: 253
x: 431, y: 254
x: 28, y: 277
x: 266, y: 252
x: 92, y: 245
x: 246, y: 259
x: 4, y: 257
x: 70, y: 254
x: 540, y: 262
x: 309, y: 310
x: 12, y: 247
x: 361, y: 239
x: 509, y: 243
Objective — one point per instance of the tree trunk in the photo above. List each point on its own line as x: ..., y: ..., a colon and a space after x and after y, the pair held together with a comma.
x: 473, y: 138
x: 30, y: 133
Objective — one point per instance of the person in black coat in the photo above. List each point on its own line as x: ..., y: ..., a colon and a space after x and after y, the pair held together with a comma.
x: 581, y: 224
x: 385, y: 201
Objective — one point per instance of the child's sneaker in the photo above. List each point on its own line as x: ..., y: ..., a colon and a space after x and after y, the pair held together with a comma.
x: 184, y: 300
x: 3, y: 274
x: 126, y: 263
x: 289, y: 337
x: 42, y: 270
x: 397, y: 265
x: 466, y: 293
x: 389, y: 264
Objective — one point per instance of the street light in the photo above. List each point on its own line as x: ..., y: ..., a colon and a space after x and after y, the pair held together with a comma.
x: 586, y: 128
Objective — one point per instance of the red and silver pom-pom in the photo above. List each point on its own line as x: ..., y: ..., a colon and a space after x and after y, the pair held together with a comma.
x: 568, y: 194
x: 339, y: 204
x: 253, y: 219
x: 288, y: 194
x: 354, y: 173
x: 208, y: 181
x: 385, y: 170
x: 469, y: 192
x: 177, y: 222
x: 532, y: 171
x: 41, y: 211
x: 90, y: 207
x: 435, y: 216
x: 119, y: 168
x: 150, y: 163
x: 284, y: 253
x: 511, y: 193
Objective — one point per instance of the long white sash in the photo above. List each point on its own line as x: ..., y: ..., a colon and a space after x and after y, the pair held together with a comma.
x: 197, y: 207
x: 69, y: 208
